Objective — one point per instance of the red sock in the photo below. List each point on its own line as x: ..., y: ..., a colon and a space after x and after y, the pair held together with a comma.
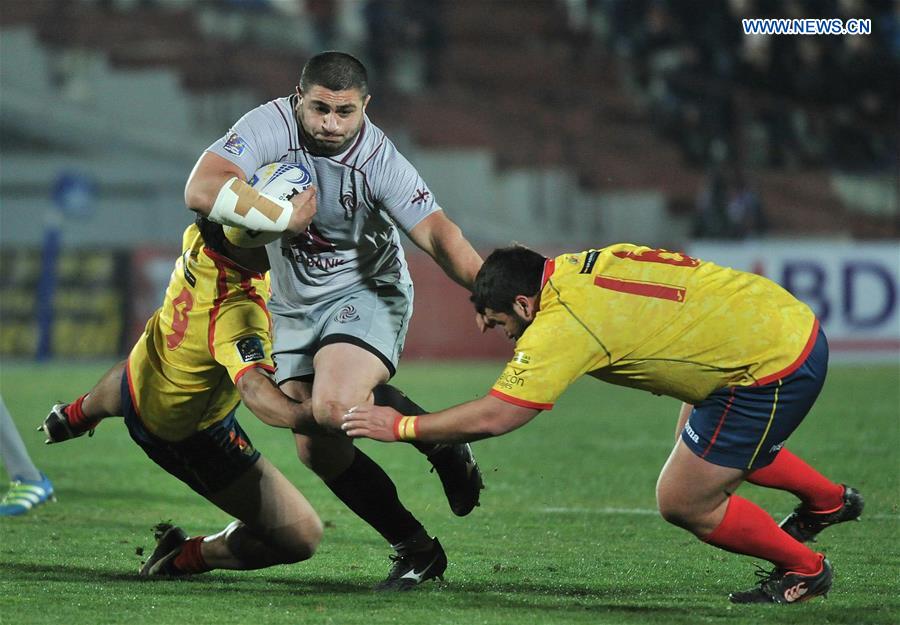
x: 748, y: 529
x: 190, y: 560
x: 76, y: 417
x: 790, y: 473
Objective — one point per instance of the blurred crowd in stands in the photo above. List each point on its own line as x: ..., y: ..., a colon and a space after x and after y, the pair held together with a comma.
x: 802, y: 99
x: 732, y: 103
x: 380, y: 31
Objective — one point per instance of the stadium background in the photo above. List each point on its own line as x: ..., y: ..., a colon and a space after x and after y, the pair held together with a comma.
x: 562, y: 124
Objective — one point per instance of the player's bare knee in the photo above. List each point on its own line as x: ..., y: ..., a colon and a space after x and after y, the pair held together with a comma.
x: 312, y: 532
x: 674, y: 509
x: 302, y: 540
x: 321, y: 413
x: 328, y: 412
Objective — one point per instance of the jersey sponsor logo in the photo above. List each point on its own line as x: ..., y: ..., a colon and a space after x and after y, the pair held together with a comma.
x: 325, y: 264
x: 188, y: 275
x: 347, y: 314
x: 589, y: 261
x: 306, y: 249
x: 250, y: 348
x: 511, y: 377
x: 234, y: 144
x: 691, y: 433
x: 421, y: 196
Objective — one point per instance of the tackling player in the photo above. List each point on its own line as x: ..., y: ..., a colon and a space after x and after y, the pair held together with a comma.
x: 204, y: 350
x: 341, y: 292
x: 747, y: 359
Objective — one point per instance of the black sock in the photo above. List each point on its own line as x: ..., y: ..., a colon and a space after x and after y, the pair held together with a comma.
x: 418, y: 542
x: 367, y: 490
x: 387, y: 395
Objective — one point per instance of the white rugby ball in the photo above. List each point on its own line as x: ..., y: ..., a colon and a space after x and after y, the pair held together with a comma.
x: 278, y: 180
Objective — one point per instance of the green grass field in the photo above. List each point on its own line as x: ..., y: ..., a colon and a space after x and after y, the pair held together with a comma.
x: 566, y: 533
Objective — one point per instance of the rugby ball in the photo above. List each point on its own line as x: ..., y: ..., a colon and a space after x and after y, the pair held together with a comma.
x: 278, y: 180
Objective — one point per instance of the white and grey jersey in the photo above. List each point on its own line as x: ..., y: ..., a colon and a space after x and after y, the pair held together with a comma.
x: 353, y: 241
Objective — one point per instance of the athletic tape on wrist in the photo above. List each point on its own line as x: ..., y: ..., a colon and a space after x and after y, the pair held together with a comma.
x: 238, y: 204
x: 406, y: 428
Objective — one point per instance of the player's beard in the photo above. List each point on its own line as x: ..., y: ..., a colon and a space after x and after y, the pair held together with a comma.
x: 520, y: 328
x: 327, y: 148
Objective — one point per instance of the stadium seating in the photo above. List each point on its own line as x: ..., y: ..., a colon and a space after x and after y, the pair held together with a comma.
x: 519, y: 82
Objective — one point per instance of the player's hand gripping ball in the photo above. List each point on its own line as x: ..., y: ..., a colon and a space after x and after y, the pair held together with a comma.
x: 280, y: 180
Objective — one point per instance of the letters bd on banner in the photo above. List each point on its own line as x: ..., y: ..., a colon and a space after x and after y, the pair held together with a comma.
x: 853, y: 287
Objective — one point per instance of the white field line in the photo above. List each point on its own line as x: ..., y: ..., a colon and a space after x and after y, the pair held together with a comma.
x: 650, y: 511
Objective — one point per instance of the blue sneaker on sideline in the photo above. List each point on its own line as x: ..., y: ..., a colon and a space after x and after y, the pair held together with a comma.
x: 23, y: 495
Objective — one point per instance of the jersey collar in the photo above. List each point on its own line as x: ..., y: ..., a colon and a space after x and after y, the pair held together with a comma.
x: 549, y: 268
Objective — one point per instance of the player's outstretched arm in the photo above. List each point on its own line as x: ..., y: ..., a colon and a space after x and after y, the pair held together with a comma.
x: 472, y: 421
x: 264, y: 399
x: 444, y: 242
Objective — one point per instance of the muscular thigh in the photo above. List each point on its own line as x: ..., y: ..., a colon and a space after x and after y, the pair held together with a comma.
x: 270, y: 506
x: 263, y: 498
x: 692, y: 482
x: 345, y: 376
x: 375, y: 320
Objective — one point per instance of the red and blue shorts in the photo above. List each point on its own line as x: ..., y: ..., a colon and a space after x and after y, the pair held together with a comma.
x: 746, y: 426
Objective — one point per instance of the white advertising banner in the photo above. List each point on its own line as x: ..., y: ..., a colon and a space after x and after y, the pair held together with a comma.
x: 853, y: 287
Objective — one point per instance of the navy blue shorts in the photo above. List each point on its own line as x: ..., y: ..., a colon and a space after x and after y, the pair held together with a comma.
x: 207, y: 461
x: 746, y: 426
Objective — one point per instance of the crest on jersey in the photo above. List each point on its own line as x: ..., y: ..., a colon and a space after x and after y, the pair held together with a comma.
x: 522, y: 358
x: 250, y: 348
x: 234, y: 144
x: 348, y: 202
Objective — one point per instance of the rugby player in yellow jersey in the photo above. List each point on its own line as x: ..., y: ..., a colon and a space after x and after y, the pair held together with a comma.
x: 204, y: 350
x: 747, y: 359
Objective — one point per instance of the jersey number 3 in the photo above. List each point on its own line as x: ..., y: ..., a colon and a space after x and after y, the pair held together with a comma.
x: 181, y: 306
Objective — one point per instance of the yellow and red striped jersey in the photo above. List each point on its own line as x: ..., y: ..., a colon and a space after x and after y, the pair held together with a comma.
x: 212, y: 327
x: 654, y: 320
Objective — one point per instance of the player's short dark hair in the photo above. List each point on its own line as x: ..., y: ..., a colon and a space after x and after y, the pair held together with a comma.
x: 506, y: 273
x: 336, y: 71
x: 212, y: 233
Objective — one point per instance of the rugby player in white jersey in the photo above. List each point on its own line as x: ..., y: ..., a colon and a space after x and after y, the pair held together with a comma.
x: 341, y: 291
